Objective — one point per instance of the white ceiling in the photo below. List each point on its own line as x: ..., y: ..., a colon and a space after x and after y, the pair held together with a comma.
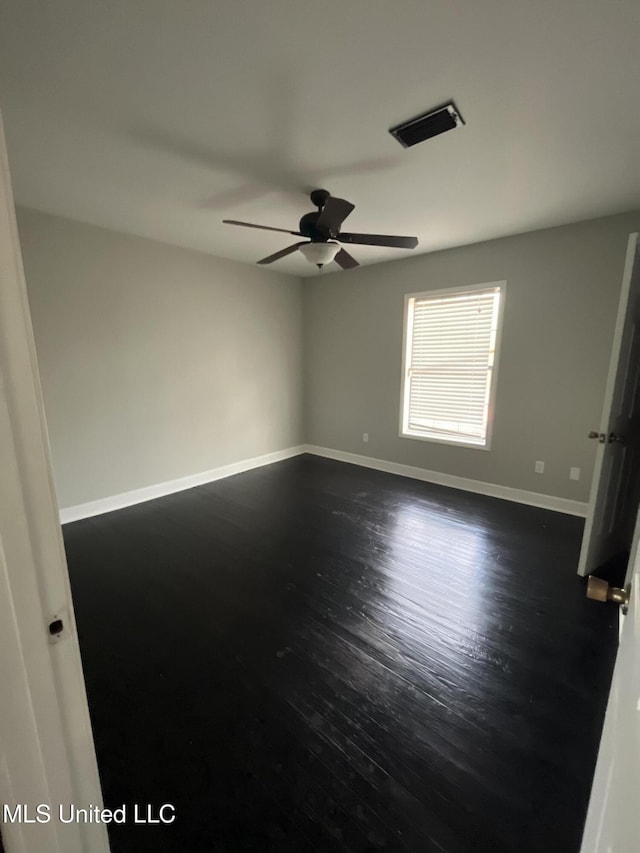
x: 161, y: 117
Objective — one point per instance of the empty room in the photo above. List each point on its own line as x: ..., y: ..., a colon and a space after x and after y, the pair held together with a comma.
x: 320, y: 360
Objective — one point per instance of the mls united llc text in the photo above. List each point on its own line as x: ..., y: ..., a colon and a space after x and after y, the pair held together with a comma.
x: 44, y: 813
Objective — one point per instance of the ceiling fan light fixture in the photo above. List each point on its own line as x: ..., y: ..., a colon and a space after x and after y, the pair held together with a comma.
x: 320, y: 253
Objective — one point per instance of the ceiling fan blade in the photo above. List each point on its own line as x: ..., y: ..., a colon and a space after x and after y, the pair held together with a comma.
x: 333, y: 215
x: 345, y: 260
x: 261, y: 227
x: 378, y: 240
x: 281, y: 254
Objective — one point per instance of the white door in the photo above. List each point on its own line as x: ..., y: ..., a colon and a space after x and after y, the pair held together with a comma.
x: 47, y: 756
x: 613, y: 819
x: 616, y: 478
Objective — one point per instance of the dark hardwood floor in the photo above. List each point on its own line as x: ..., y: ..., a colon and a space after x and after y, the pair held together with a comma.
x: 317, y: 657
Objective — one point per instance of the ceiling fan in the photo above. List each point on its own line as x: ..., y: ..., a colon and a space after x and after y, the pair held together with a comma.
x: 322, y: 230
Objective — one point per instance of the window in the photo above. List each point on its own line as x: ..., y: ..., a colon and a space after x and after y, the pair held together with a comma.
x: 450, y: 364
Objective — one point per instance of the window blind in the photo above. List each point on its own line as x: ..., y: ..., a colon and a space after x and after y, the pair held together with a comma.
x: 450, y: 357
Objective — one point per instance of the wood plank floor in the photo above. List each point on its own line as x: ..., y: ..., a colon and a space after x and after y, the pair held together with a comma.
x: 317, y: 657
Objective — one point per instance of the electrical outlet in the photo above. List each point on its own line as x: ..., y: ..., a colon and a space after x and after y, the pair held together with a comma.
x: 539, y: 469
x: 365, y: 436
x: 574, y: 473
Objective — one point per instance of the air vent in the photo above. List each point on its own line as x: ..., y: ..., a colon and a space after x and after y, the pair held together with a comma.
x: 427, y: 125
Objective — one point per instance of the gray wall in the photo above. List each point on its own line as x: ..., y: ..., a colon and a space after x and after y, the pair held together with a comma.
x: 560, y: 309
x: 159, y: 362
x: 156, y: 362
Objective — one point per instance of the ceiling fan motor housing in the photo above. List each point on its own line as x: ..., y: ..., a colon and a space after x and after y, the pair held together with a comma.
x: 308, y: 223
x: 308, y: 228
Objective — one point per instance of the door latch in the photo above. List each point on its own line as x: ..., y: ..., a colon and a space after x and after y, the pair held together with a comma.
x: 57, y: 626
x: 599, y: 590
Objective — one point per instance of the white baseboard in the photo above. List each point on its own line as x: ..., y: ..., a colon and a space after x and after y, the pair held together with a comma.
x: 494, y: 490
x: 149, y: 493
x: 86, y: 510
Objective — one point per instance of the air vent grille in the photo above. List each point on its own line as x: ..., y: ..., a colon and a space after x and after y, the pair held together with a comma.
x: 428, y: 125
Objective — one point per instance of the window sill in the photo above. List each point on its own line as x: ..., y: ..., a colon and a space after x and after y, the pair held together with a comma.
x: 449, y: 441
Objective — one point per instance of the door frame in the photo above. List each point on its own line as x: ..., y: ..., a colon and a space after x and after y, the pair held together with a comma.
x: 50, y: 757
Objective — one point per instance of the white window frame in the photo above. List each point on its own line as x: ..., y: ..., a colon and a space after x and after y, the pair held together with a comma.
x: 404, y: 401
